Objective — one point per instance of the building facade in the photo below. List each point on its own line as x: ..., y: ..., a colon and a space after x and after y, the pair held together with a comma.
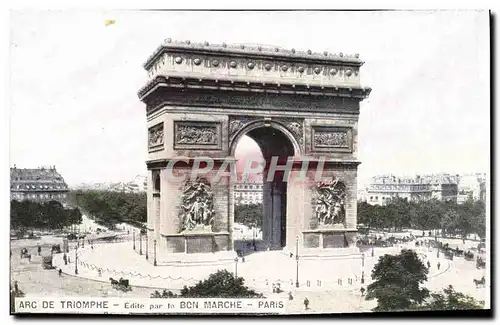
x: 472, y: 187
x: 442, y: 187
x: 248, y: 192
x: 40, y: 184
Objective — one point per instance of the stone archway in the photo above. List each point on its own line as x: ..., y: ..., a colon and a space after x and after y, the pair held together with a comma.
x: 201, y: 99
x: 274, y: 140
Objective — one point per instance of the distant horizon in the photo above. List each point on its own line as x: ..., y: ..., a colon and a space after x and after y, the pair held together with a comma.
x: 74, y: 103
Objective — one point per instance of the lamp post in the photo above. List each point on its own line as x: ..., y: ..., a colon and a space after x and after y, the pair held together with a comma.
x: 140, y: 242
x: 76, y: 259
x: 147, y: 256
x: 297, y: 259
x: 253, y: 240
x: 363, y: 268
x: 154, y: 246
x: 133, y: 238
x: 236, y: 267
x: 437, y: 244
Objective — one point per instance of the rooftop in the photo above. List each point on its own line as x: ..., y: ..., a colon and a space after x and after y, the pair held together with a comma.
x: 36, y: 179
x: 256, y: 50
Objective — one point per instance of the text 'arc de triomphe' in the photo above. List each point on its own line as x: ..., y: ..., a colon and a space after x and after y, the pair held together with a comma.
x: 202, y: 98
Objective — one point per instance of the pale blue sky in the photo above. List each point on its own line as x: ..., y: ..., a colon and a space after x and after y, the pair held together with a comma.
x: 74, y: 84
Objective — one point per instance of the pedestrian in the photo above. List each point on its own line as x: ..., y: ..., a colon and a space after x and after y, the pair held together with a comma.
x: 438, y: 265
x: 306, y: 303
x: 29, y: 257
x: 290, y: 296
x: 428, y: 264
x: 60, y: 272
x: 39, y: 250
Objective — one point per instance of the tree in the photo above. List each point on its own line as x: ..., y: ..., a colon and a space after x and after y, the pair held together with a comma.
x: 164, y: 294
x: 109, y: 208
x: 49, y: 215
x: 397, y: 280
x: 450, y: 300
x: 221, y: 284
x: 250, y: 215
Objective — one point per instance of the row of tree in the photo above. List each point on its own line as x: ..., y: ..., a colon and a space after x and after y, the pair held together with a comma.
x: 450, y: 217
x: 109, y: 208
x: 221, y: 284
x: 42, y: 215
x: 397, y: 286
x: 249, y: 215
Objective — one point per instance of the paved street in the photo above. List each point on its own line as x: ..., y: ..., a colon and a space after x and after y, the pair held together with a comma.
x: 260, y: 271
x: 35, y: 281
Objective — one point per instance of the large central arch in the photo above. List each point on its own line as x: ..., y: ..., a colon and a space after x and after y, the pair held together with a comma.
x: 274, y: 140
x: 201, y: 99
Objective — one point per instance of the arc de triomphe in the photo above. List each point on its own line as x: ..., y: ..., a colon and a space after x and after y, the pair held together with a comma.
x: 202, y: 98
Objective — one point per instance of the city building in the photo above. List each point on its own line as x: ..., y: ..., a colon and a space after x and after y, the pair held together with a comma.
x: 442, y: 187
x: 248, y: 191
x: 40, y: 184
x: 472, y: 186
x: 137, y: 185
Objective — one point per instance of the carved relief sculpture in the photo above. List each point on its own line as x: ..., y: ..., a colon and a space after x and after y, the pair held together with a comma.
x: 339, y: 139
x: 156, y: 137
x: 296, y: 127
x: 330, y: 209
x: 197, y: 207
x: 187, y: 134
x: 235, y: 126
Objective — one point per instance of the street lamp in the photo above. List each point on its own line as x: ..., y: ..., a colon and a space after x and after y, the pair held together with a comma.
x: 363, y: 268
x: 76, y: 259
x: 437, y: 244
x: 147, y: 256
x: 297, y: 259
x: 253, y: 240
x: 154, y: 263
x: 140, y: 242
x: 133, y: 238
x: 236, y: 267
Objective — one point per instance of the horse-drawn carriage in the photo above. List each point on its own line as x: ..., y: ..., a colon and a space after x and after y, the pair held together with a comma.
x: 56, y: 249
x: 468, y: 256
x: 479, y: 283
x: 47, y: 263
x: 25, y: 253
x: 122, y: 284
x: 480, y: 263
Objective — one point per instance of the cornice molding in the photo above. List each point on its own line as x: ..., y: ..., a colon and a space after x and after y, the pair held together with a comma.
x: 182, y: 83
